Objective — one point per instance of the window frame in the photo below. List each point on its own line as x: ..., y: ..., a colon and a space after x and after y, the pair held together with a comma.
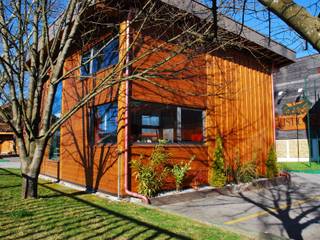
x: 92, y: 51
x: 177, y: 127
x: 93, y: 121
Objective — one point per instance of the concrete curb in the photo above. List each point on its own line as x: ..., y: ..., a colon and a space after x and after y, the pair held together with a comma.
x: 283, y: 179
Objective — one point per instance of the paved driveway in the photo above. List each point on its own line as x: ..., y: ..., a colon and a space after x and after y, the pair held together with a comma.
x: 9, y: 162
x: 291, y: 211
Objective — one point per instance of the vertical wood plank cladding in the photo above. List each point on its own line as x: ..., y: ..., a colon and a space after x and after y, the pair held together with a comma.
x: 90, y: 165
x: 244, y: 114
x: 122, y: 108
x: 180, y: 80
x: 50, y: 168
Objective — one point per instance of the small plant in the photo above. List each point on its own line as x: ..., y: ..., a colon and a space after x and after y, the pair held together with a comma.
x: 243, y: 171
x: 218, y: 177
x: 150, y: 175
x: 271, y: 164
x: 179, y: 172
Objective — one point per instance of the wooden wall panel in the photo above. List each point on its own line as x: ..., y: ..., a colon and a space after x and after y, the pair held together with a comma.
x: 243, y: 112
x: 50, y: 168
x: 180, y: 81
x: 82, y: 163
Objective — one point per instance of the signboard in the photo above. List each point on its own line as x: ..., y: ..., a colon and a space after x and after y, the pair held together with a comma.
x: 294, y: 108
x: 292, y: 122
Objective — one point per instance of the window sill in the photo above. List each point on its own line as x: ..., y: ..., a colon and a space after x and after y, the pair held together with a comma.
x: 94, y: 75
x: 169, y: 144
x: 53, y: 160
x: 99, y: 145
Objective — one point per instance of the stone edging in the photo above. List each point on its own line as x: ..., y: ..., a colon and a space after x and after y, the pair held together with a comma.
x: 283, y: 179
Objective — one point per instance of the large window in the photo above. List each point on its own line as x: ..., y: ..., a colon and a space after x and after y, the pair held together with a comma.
x: 105, y: 123
x: 102, y: 56
x: 151, y: 122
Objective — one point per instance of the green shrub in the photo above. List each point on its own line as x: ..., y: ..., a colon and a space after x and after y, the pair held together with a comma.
x: 179, y: 172
x: 150, y: 175
x: 243, y: 171
x: 271, y: 164
x: 218, y: 176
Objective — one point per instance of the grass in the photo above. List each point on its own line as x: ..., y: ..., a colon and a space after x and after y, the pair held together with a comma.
x: 63, y: 213
x: 300, y: 166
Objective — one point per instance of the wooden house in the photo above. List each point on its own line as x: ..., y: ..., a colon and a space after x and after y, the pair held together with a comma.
x: 187, y: 101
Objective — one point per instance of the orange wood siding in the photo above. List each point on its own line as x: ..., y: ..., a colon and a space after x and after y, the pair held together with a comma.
x: 233, y: 87
x: 93, y: 166
x: 50, y: 168
x: 180, y: 81
x: 243, y: 112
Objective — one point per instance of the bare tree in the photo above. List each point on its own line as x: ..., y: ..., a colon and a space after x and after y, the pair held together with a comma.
x: 297, y: 17
x: 33, y: 53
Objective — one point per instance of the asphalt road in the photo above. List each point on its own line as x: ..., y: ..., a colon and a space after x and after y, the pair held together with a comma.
x: 288, y: 211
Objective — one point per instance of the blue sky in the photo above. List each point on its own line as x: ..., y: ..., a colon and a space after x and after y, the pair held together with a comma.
x: 257, y: 18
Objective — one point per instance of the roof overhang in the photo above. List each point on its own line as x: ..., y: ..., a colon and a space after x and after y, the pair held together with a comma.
x: 277, y: 53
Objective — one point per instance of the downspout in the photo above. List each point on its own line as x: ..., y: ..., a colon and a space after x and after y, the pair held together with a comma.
x: 126, y: 128
x: 273, y: 105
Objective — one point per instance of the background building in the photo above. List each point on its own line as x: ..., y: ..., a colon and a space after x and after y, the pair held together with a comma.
x: 297, y: 90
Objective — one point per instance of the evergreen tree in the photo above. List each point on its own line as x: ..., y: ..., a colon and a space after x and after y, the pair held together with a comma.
x: 218, y: 177
x: 271, y: 163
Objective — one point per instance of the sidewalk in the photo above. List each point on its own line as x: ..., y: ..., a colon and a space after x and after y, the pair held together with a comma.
x: 9, y: 162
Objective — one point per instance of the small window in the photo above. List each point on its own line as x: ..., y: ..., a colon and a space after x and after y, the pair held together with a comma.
x: 108, y: 55
x: 86, y: 64
x: 54, y: 152
x: 191, y: 125
x: 105, y: 123
x: 102, y: 55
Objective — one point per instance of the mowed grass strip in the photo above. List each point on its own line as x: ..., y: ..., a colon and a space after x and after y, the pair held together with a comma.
x: 299, y: 166
x: 63, y: 213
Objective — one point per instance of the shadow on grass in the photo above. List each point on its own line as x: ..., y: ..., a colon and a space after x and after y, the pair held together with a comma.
x: 13, y: 186
x: 75, y: 217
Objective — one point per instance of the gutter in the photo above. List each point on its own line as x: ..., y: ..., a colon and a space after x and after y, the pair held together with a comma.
x: 126, y: 128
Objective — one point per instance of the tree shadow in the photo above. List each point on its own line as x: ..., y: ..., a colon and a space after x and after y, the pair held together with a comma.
x: 293, y: 207
x: 79, y: 147
x: 148, y: 226
x: 73, y: 216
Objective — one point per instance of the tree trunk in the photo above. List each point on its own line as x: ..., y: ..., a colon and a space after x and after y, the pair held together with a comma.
x: 29, y: 186
x: 298, y: 18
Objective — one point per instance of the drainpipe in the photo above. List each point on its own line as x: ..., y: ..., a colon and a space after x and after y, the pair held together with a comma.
x: 126, y: 129
x: 273, y: 105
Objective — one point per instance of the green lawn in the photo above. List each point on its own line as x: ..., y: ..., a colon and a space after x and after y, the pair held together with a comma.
x: 300, y: 166
x: 63, y: 213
